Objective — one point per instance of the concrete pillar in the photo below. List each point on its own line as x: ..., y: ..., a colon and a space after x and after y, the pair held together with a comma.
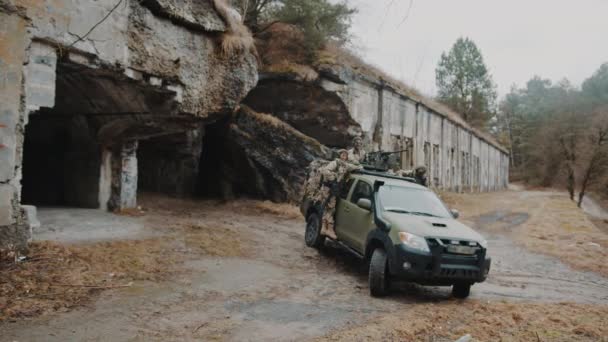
x: 124, y: 177
x: 105, y: 179
x: 23, y: 89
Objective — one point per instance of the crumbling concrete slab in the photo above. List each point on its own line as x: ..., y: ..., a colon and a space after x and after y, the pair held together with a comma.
x: 40, y: 76
x: 72, y: 225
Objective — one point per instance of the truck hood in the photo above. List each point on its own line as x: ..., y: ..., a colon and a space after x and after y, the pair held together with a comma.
x: 432, y: 226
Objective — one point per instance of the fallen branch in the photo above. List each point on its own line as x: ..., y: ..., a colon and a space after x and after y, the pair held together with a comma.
x: 200, y: 326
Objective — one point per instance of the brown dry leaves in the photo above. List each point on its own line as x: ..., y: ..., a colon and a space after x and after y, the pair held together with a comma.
x: 51, y: 278
x: 485, y: 321
x: 214, y: 240
x: 283, y: 210
x: 556, y: 227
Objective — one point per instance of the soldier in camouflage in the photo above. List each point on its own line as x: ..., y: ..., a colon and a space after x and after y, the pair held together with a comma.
x: 323, y: 184
x: 356, y: 154
x: 333, y: 175
x: 419, y: 173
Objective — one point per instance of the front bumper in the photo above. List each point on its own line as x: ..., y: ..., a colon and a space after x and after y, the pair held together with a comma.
x: 438, y: 267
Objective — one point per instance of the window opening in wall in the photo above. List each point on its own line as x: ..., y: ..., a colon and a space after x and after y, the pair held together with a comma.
x: 436, y: 164
x: 452, y: 168
x: 407, y: 154
x: 427, y: 156
x: 476, y: 177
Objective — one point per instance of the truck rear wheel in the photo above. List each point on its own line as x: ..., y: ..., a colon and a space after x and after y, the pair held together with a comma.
x: 461, y: 290
x: 312, y: 236
x: 378, y: 273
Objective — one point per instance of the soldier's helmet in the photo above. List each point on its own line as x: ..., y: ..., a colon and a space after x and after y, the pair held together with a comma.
x: 358, y: 142
x: 342, y: 152
x: 420, y: 169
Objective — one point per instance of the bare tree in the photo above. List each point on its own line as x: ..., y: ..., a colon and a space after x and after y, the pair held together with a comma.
x: 596, y: 152
x: 568, y: 146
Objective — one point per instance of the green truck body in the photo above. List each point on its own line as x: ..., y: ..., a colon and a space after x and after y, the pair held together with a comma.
x: 404, y: 231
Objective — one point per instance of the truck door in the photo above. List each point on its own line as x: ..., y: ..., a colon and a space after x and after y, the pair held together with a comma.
x: 343, y: 208
x: 357, y: 222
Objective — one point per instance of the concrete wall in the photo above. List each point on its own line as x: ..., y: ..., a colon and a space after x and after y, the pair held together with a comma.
x: 456, y: 156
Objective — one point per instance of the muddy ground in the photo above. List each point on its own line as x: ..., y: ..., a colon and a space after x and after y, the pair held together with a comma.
x: 203, y: 270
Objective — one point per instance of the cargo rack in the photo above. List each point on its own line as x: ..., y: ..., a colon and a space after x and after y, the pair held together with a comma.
x: 371, y: 171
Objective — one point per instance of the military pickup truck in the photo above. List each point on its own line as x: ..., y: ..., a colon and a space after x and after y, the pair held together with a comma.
x: 404, y: 231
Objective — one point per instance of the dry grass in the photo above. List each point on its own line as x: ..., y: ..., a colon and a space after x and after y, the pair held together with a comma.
x: 556, y: 227
x: 237, y: 38
x: 213, y: 240
x: 237, y: 42
x: 281, y: 43
x: 283, y: 210
x: 485, y: 321
x: 301, y: 71
x: 58, y: 277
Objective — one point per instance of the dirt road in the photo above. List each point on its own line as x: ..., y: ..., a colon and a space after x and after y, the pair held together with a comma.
x: 271, y: 287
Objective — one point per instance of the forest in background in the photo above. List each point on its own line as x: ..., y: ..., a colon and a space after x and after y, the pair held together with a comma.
x: 558, y: 133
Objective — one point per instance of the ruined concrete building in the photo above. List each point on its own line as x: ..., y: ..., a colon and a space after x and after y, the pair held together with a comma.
x: 102, y: 100
x: 390, y: 117
x: 97, y: 97
x: 340, y: 96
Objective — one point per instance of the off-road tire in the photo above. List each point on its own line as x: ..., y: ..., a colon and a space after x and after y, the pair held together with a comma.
x: 378, y: 273
x: 461, y: 290
x: 312, y: 236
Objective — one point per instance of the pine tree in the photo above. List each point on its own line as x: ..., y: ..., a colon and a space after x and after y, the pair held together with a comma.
x: 464, y: 83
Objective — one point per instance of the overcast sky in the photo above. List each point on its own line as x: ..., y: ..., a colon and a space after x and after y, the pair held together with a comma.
x: 518, y: 38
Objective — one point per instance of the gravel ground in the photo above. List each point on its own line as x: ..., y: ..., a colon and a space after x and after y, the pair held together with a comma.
x: 275, y: 288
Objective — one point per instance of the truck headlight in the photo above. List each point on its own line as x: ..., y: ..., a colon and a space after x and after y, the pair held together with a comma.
x: 414, y: 241
x: 483, y: 243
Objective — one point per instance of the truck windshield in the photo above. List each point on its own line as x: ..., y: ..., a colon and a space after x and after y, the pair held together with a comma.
x: 412, y: 201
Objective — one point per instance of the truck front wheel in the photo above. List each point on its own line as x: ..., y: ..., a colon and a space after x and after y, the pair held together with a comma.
x: 378, y: 273
x: 461, y: 290
x: 312, y: 236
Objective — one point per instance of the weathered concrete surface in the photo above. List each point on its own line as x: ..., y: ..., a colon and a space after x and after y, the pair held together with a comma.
x: 71, y: 225
x: 12, y: 53
x: 277, y: 155
x: 215, y: 82
x: 198, y: 15
x: 147, y: 68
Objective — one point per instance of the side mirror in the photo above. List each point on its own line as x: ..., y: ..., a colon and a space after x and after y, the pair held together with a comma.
x: 455, y: 213
x: 364, y: 203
